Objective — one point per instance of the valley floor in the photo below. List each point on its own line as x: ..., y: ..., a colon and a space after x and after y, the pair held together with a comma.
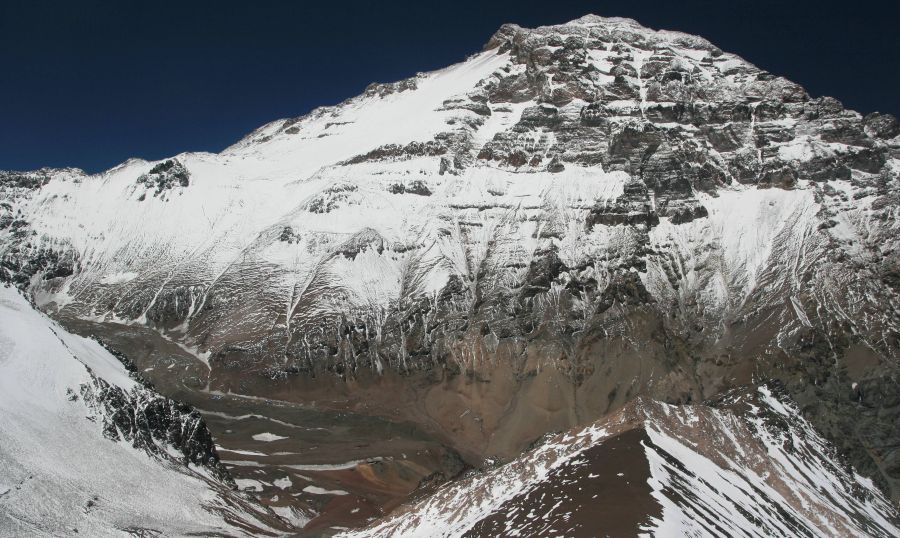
x: 321, y: 470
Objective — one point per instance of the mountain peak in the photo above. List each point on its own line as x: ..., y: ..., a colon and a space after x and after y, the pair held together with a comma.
x: 579, y: 216
x: 615, y: 28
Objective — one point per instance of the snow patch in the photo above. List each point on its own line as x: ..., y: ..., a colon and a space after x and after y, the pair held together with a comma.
x: 267, y: 437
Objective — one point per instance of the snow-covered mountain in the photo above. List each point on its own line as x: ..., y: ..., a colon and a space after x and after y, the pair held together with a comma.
x: 748, y: 466
x: 85, y: 449
x: 574, y: 218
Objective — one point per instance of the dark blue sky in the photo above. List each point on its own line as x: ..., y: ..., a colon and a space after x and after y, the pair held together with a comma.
x: 91, y: 83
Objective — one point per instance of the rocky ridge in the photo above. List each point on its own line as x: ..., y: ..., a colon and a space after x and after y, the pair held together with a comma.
x: 153, y: 423
x: 747, y: 465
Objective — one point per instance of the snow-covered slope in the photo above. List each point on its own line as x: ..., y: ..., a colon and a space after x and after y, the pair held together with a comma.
x: 390, y: 195
x: 574, y: 217
x: 61, y: 474
x: 750, y: 466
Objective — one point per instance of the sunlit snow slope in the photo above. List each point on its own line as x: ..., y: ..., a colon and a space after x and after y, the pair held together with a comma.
x: 60, y: 475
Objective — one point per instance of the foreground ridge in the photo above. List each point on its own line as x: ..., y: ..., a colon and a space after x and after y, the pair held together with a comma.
x: 88, y: 450
x: 748, y: 465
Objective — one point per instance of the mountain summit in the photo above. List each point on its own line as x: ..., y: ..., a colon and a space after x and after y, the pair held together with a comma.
x: 576, y: 217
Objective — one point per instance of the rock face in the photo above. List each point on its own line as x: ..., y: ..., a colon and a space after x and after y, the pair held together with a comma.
x: 164, y: 177
x: 575, y: 217
x: 153, y: 423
